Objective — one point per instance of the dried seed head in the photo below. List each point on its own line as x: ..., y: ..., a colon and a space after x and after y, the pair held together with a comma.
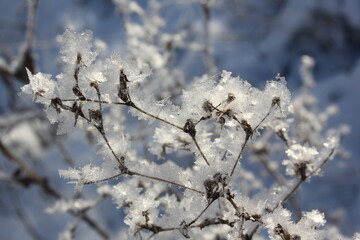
x: 56, y: 103
x: 207, y: 106
x: 216, y: 187
x: 300, y: 170
x: 295, y: 237
x: 275, y: 102
x: 78, y: 58
x: 221, y: 120
x: 184, y: 229
x: 278, y: 230
x: 189, y: 128
x: 246, y: 127
x: 231, y: 97
x: 76, y: 90
x: 77, y: 67
x: 123, y: 90
x: 78, y: 111
x: 96, y: 116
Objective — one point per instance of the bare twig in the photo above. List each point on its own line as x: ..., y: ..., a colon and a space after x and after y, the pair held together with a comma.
x: 301, y: 180
x: 249, y: 131
x: 201, y: 213
x: 155, y: 117
x: 166, y: 181
x: 200, y: 151
x: 240, y: 154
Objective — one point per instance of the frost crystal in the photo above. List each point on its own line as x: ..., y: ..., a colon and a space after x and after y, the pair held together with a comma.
x: 41, y: 88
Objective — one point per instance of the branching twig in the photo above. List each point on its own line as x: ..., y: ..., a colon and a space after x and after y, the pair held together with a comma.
x: 296, y: 187
x: 249, y: 131
x: 200, y: 151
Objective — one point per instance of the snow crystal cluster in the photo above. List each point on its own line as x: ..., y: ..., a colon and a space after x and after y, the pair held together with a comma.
x: 219, y: 125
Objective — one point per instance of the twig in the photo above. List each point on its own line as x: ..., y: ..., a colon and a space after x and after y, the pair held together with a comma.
x: 249, y: 132
x: 295, y: 187
x: 124, y: 169
x: 200, y: 151
x: 93, y: 100
x: 165, y: 181
x: 279, y: 179
x: 87, y: 182
x: 155, y: 117
x: 202, y: 212
x: 240, y: 153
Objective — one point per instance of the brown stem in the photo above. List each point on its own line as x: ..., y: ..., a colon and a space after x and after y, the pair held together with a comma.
x: 93, y: 100
x: 129, y: 105
x: 87, y: 182
x: 155, y: 117
x: 202, y: 212
x: 165, y: 181
x: 200, y: 151
x: 240, y: 153
x: 247, y: 137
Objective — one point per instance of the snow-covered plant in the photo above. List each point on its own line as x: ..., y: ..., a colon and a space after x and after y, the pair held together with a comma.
x: 220, y: 127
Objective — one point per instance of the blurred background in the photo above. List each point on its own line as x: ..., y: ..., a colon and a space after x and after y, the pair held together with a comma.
x: 254, y: 39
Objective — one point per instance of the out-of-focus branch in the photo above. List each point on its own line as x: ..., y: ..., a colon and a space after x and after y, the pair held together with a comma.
x: 208, y: 56
x: 43, y: 184
x: 25, y: 60
x: 23, y: 217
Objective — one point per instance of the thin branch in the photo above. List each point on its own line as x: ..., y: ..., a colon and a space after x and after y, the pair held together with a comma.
x: 200, y: 151
x: 249, y: 132
x: 122, y: 166
x: 67, y: 158
x: 132, y: 173
x: 202, y: 212
x: 280, y: 180
x: 126, y: 104
x: 322, y: 164
x: 155, y: 117
x: 240, y: 153
x: 296, y: 187
x: 93, y: 100
x: 31, y: 23
x: 87, y: 182
x: 165, y: 181
x: 206, y: 223
x: 119, y: 160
